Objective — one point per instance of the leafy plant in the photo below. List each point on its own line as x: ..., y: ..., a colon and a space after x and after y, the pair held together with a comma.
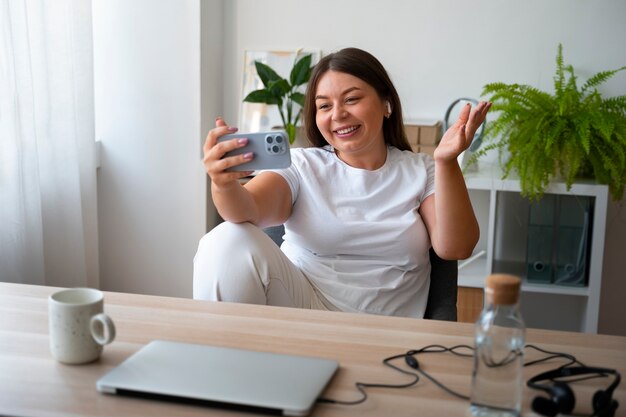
x: 573, y: 132
x: 284, y: 93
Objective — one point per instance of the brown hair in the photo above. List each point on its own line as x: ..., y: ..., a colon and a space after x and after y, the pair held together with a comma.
x: 365, y: 66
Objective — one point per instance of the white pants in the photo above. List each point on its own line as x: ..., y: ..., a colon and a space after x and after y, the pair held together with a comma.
x: 240, y: 263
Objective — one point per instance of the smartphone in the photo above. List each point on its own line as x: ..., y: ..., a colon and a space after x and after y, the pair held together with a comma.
x: 270, y: 150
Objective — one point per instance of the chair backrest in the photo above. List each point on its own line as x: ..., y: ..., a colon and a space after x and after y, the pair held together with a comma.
x: 442, y: 296
x: 444, y: 274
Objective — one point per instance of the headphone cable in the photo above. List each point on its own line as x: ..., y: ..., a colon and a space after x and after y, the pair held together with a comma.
x: 455, y: 350
x: 360, y: 386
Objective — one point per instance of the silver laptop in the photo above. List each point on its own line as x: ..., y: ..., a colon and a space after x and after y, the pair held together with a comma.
x: 222, y: 377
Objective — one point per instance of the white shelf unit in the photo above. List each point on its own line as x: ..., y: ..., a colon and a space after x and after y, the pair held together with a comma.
x: 503, y: 217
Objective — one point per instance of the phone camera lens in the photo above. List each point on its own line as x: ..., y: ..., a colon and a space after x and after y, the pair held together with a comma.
x: 275, y: 148
x: 279, y: 139
x: 269, y: 139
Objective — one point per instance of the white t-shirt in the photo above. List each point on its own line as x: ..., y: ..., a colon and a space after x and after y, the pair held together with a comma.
x: 356, y: 234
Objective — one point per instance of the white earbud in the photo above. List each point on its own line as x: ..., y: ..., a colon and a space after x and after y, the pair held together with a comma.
x: 388, y: 114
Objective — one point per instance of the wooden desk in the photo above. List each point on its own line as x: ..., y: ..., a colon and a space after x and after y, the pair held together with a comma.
x: 33, y: 384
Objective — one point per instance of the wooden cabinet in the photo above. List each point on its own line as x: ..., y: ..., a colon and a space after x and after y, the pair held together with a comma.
x: 469, y: 304
x: 503, y: 247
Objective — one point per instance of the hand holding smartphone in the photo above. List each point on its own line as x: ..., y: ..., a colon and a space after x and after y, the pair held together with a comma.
x: 270, y: 150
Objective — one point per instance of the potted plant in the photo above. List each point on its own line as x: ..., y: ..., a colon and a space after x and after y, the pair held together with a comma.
x: 282, y: 92
x: 570, y: 134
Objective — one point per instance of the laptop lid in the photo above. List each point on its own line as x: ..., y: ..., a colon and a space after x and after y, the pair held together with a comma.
x: 223, y: 377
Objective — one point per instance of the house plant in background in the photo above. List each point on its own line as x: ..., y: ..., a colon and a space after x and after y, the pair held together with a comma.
x: 285, y: 94
x: 572, y: 133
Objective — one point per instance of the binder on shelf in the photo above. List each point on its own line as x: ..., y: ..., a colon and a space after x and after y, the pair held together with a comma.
x: 572, y: 250
x: 540, y: 242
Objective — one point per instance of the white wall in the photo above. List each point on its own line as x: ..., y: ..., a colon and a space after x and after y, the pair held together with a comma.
x: 151, y: 182
x: 439, y: 50
x: 435, y: 50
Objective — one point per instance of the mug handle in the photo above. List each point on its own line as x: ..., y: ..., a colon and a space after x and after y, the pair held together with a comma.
x: 102, y: 329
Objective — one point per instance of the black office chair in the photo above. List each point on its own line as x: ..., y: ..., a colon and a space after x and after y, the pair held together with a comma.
x: 442, y: 297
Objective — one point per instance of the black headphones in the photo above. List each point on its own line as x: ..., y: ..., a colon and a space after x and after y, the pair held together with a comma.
x: 561, y: 400
x: 561, y: 397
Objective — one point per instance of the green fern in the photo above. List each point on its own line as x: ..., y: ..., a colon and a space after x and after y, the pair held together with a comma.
x: 572, y: 133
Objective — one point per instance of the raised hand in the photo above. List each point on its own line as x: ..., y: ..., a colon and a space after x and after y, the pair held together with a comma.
x: 214, y: 163
x: 460, y: 135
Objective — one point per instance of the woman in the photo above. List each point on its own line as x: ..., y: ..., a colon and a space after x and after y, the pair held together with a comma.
x: 360, y: 209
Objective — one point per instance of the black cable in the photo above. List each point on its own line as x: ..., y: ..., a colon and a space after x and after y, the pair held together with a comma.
x: 458, y: 350
x: 572, y: 358
x: 455, y: 350
x: 360, y: 386
x: 412, y: 362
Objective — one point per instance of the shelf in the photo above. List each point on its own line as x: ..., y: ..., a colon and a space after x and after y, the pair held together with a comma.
x: 489, y: 177
x: 554, y: 289
x: 503, y: 217
x: 519, y: 269
x: 473, y: 276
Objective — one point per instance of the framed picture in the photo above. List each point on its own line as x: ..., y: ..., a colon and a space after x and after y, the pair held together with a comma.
x: 258, y: 117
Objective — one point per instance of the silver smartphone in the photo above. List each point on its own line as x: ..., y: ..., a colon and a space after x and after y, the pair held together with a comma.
x: 270, y: 150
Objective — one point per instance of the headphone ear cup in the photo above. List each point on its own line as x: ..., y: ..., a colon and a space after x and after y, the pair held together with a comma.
x: 601, y: 400
x: 603, y: 404
x: 562, y: 400
x: 563, y: 396
x: 545, y: 406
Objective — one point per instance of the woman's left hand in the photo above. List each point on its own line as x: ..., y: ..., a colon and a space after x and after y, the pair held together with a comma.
x: 459, y: 136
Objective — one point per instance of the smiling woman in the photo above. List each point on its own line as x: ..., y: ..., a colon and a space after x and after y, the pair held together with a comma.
x: 371, y: 77
x: 358, y: 207
x: 350, y: 116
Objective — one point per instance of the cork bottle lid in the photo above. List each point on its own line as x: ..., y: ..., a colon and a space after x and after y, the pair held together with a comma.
x: 502, y: 289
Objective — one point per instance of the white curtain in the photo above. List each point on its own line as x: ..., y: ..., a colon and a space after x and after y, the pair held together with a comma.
x: 48, y: 207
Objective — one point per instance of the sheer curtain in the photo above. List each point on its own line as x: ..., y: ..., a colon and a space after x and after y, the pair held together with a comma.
x: 48, y: 207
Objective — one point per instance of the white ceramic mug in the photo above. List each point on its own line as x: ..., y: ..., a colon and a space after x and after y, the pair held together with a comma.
x: 78, y: 327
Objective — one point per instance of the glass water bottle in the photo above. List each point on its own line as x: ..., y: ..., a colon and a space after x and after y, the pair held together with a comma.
x: 497, y: 378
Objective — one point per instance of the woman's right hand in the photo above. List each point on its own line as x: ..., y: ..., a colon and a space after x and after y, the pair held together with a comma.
x: 214, y: 162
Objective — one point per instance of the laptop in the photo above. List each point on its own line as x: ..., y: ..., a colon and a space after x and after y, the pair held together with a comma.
x: 222, y: 377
